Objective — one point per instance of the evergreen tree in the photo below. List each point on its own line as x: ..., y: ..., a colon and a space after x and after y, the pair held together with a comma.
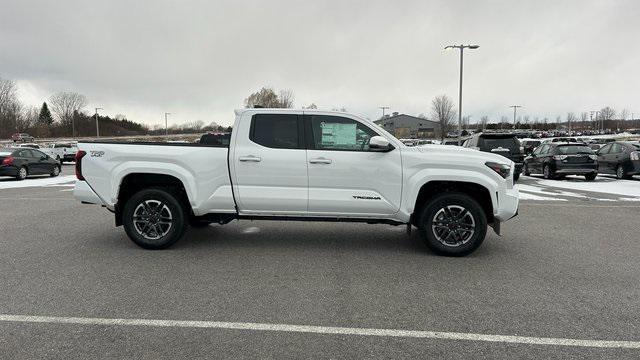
x: 45, y: 115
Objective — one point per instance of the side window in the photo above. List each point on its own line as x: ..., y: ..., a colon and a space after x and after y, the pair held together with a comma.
x: 37, y: 154
x: 280, y: 131
x: 544, y: 149
x: 24, y: 154
x: 340, y: 133
x: 616, y: 148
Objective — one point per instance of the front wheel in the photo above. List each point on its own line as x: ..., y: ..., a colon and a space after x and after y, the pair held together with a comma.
x: 22, y: 173
x: 55, y: 171
x: 154, y: 218
x: 547, y: 173
x: 590, y: 177
x: 620, y: 172
x: 453, y: 224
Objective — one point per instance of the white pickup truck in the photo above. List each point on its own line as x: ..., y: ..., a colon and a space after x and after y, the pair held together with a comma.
x: 61, y: 151
x: 303, y: 165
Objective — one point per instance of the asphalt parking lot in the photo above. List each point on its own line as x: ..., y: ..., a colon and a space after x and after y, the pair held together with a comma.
x: 564, y: 269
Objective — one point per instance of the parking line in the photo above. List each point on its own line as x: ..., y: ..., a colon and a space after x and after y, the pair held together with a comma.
x: 522, y: 203
x: 322, y: 330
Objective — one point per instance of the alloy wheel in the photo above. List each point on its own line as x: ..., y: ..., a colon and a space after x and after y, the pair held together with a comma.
x: 453, y: 225
x: 152, y: 219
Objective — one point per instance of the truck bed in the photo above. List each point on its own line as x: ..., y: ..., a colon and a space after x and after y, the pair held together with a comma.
x: 202, y: 169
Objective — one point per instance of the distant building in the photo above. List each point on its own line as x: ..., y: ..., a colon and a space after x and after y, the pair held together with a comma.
x: 405, y: 126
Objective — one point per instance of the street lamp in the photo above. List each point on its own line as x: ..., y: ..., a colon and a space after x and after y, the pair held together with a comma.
x: 166, y: 127
x: 97, y: 128
x: 461, y: 47
x: 515, y: 107
x: 383, y: 109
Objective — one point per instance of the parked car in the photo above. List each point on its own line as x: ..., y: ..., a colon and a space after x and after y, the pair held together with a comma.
x: 555, y: 160
x: 503, y: 144
x: 529, y: 145
x: 299, y: 165
x: 22, y: 162
x: 21, y: 137
x: 620, y: 158
x: 27, y: 145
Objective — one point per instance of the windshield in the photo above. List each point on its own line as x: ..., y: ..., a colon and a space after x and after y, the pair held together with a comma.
x: 500, y: 142
x: 572, y: 150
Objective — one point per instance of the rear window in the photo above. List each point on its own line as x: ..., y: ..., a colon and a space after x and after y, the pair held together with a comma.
x: 496, y: 142
x: 572, y: 150
x: 221, y: 140
x: 281, y: 131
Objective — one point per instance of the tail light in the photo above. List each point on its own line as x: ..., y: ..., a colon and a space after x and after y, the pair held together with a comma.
x: 559, y: 157
x: 79, y: 155
x: 7, y: 161
x: 635, y: 155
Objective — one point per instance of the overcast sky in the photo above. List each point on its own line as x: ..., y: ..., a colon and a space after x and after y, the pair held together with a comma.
x: 200, y: 59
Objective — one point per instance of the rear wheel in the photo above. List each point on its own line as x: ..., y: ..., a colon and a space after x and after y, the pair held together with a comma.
x: 154, y: 218
x: 453, y: 224
x: 22, y: 173
x: 590, y: 177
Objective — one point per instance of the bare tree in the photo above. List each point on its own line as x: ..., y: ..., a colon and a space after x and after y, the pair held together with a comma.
x: 286, y: 98
x: 443, y: 113
x: 267, y: 98
x: 10, y: 107
x: 584, y: 116
x: 571, y: 117
x: 607, y: 113
x: 65, y: 105
x: 484, y: 121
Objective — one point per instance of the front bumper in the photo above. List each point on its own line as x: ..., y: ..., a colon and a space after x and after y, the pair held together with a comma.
x: 508, y: 203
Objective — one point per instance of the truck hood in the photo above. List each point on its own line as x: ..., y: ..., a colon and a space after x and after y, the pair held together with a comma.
x: 460, y: 153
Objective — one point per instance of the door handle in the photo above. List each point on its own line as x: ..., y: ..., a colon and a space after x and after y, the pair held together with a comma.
x: 320, y: 160
x: 251, y: 158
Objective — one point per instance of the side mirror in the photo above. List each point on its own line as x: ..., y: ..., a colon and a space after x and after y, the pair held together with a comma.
x: 378, y: 143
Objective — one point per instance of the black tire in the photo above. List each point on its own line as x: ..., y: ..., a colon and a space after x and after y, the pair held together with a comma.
x: 620, y: 172
x: 58, y: 159
x: 590, y: 177
x: 525, y: 170
x: 516, y: 176
x: 547, y: 173
x: 55, y: 171
x: 23, y: 172
x: 162, y: 213
x: 467, y: 241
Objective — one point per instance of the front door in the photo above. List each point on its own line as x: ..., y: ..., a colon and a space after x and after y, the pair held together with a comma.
x: 270, y: 165
x: 345, y: 177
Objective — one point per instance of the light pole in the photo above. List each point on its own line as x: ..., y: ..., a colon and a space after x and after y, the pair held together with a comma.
x: 97, y: 128
x: 515, y: 107
x: 461, y: 47
x: 166, y: 127
x: 383, y: 109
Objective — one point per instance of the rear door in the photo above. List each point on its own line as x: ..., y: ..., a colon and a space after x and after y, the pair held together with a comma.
x: 270, y: 164
x: 604, y: 163
x: 345, y: 177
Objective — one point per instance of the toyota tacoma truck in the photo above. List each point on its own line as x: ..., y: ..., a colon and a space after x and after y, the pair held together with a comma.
x: 303, y: 165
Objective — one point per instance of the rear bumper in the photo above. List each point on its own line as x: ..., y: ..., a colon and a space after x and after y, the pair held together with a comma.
x: 83, y: 193
x: 576, y: 169
x: 508, y: 203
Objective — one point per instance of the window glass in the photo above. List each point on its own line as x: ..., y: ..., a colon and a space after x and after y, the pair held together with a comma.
x: 500, y: 142
x: 574, y: 149
x: 544, y: 149
x: 37, y: 154
x: 24, y: 154
x: 605, y: 149
x: 340, y: 133
x: 275, y: 131
x: 616, y: 148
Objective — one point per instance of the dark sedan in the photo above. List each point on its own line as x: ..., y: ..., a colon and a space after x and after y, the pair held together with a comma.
x: 555, y: 160
x: 621, y: 158
x: 22, y: 162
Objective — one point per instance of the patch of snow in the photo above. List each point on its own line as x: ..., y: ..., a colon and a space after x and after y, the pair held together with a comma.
x: 628, y: 188
x: 31, y: 182
x: 538, y: 190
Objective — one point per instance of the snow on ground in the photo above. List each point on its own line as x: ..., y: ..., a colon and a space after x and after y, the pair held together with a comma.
x: 601, y: 189
x: 67, y: 180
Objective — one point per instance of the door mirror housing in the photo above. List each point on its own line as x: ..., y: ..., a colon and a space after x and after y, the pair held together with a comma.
x: 379, y: 143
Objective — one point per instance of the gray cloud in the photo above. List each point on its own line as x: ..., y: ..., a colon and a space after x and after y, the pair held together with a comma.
x: 200, y: 59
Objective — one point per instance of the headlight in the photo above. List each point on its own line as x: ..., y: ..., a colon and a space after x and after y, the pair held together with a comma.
x: 502, y: 169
